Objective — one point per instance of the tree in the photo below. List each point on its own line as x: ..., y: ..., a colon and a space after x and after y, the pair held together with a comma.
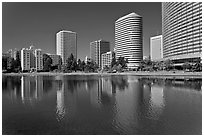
x: 123, y: 62
x: 17, y: 62
x: 10, y: 64
x: 79, y: 65
x: 113, y: 62
x: 168, y: 64
x: 106, y: 68
x: 197, y: 66
x: 4, y: 63
x: 186, y: 66
x: 47, y: 62
x: 83, y: 65
x: 71, y: 63
x: 91, y: 66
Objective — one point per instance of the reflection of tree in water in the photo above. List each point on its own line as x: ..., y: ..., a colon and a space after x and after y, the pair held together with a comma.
x: 9, y: 83
x: 181, y: 83
x: 73, y: 82
x: 119, y: 82
x: 105, y: 99
x: 47, y: 83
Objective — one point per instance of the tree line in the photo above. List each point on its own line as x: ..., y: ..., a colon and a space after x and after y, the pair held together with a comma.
x: 10, y: 64
x: 168, y: 65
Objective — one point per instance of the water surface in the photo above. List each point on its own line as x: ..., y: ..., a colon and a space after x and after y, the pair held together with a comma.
x: 100, y: 105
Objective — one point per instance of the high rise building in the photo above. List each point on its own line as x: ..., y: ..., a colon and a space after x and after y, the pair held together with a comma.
x: 156, y: 48
x: 182, y: 31
x: 107, y: 58
x: 56, y: 59
x: 66, y: 44
x: 97, y: 48
x: 129, y: 39
x: 25, y: 59
x: 38, y: 59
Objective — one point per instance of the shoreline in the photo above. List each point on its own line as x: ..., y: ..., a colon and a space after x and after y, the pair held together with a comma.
x: 161, y: 74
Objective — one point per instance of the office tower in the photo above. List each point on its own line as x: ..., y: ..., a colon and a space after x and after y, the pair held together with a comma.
x: 156, y: 48
x: 66, y: 44
x: 182, y: 31
x: 25, y: 59
x: 56, y: 59
x: 129, y: 39
x: 107, y: 59
x: 97, y: 48
x: 38, y: 59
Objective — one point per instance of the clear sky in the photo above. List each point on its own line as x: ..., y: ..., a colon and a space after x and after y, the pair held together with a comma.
x: 29, y: 23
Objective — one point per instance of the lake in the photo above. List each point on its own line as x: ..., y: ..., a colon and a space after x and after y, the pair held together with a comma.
x: 100, y: 105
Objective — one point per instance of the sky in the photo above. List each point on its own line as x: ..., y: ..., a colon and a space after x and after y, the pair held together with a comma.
x: 29, y: 23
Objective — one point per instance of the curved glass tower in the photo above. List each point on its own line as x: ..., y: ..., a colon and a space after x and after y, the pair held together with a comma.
x: 182, y: 30
x: 128, y: 39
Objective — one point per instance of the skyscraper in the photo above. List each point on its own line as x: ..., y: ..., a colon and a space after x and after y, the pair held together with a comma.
x: 156, y: 48
x: 66, y: 44
x: 128, y: 39
x: 182, y: 31
x: 97, y: 48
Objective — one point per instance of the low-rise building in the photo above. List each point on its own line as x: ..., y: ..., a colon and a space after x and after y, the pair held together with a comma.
x: 56, y: 59
x: 107, y: 59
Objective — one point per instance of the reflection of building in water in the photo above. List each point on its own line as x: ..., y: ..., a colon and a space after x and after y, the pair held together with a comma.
x: 107, y: 85
x: 31, y: 88
x: 157, y: 102
x: 102, y: 92
x: 95, y: 93
x: 60, y: 108
x: 128, y: 104
x: 39, y: 87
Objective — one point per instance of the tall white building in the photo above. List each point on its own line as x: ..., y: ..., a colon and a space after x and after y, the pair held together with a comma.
x: 38, y: 59
x: 66, y: 44
x: 128, y: 39
x: 156, y: 48
x: 182, y: 31
x: 25, y: 59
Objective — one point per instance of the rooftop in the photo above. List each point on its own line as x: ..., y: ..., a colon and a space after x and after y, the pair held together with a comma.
x: 133, y: 14
x: 66, y: 31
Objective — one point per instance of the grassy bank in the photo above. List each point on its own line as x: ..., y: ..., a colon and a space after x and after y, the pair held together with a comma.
x: 141, y: 73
